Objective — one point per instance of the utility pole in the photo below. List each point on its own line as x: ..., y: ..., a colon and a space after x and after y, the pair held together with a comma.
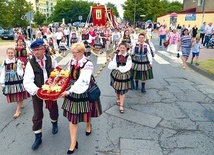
x: 203, y: 11
x: 134, y: 12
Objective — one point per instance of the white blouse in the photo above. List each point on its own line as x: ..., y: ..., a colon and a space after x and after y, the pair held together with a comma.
x: 28, y: 81
x: 82, y: 83
x: 19, y: 70
x: 113, y: 64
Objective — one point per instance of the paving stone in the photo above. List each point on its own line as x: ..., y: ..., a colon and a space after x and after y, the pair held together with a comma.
x: 207, y: 127
x: 190, y: 96
x: 187, y: 142
x: 179, y: 124
x: 195, y: 111
x: 135, y: 116
x: 209, y: 107
x: 139, y: 147
x: 166, y: 111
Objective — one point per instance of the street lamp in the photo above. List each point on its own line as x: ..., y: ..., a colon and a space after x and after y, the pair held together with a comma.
x: 203, y: 11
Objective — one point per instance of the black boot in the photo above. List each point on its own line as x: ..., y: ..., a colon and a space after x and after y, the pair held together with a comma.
x: 143, y: 90
x: 37, y: 141
x: 54, y: 127
x: 136, y: 85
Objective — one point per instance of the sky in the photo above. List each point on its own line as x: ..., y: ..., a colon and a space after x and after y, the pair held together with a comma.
x: 118, y: 4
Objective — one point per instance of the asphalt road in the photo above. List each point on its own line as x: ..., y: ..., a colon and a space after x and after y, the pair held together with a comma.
x: 174, y: 117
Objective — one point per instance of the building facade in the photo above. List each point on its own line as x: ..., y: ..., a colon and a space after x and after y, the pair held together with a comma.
x: 199, y: 5
x: 195, y: 12
x: 45, y: 7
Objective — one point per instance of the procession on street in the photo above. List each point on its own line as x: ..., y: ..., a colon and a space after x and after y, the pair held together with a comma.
x: 115, y: 75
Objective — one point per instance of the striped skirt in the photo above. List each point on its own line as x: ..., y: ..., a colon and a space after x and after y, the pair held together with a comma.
x: 77, y: 108
x: 185, y: 51
x: 121, y: 82
x: 14, y: 88
x: 141, y: 69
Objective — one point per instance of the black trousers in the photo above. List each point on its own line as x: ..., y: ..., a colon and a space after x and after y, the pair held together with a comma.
x: 202, y: 37
x: 38, y: 112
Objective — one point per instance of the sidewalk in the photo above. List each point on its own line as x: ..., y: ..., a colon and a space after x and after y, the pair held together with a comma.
x: 205, y: 54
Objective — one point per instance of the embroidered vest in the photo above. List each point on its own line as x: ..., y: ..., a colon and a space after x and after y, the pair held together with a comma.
x: 38, y: 72
x: 85, y: 36
x: 20, y: 52
x: 139, y: 51
x: 121, y: 60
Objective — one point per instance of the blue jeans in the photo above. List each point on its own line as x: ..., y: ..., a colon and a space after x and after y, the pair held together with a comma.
x: 162, y: 37
x: 207, y: 38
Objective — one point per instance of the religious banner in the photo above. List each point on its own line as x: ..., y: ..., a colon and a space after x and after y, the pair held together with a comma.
x: 111, y: 17
x: 98, y: 15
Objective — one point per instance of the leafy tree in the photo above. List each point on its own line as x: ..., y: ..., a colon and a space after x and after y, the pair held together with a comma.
x: 150, y: 8
x: 71, y: 10
x: 4, y: 14
x: 114, y: 8
x: 39, y: 18
x: 174, y: 7
x: 17, y: 11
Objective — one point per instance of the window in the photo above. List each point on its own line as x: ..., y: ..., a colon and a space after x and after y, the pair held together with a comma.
x: 200, y: 2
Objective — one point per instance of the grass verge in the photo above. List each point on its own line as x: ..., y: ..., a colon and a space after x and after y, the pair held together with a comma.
x: 207, y: 65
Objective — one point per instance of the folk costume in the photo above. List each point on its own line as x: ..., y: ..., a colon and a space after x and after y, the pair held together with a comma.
x: 141, y: 64
x: 76, y: 106
x: 63, y: 47
x: 38, y: 72
x: 127, y: 40
x: 12, y: 80
x: 73, y: 37
x: 86, y: 39
x: 120, y: 74
x: 102, y: 36
x: 21, y: 54
x: 108, y: 39
x: 98, y: 43
x: 92, y: 33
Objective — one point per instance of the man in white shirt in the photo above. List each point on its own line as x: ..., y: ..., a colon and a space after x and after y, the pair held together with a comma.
x: 37, y: 72
x: 209, y: 30
x: 67, y: 33
x: 58, y: 35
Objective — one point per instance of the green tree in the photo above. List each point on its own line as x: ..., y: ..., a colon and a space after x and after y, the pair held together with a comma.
x: 39, y: 18
x: 174, y: 7
x: 17, y: 11
x: 71, y: 10
x: 150, y: 8
x: 4, y: 14
x: 114, y: 8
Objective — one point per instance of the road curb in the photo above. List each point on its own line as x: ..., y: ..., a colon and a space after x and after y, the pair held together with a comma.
x: 201, y: 71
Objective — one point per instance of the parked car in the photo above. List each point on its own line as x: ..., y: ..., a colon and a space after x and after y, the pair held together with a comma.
x: 1, y: 30
x: 8, y: 34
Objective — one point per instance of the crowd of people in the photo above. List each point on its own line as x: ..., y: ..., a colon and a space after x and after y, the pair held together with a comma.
x: 31, y: 61
x: 186, y: 39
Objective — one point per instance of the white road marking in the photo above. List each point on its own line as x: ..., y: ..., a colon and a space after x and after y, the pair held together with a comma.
x: 174, y: 58
x: 65, y: 60
x: 160, y: 60
x: 101, y: 59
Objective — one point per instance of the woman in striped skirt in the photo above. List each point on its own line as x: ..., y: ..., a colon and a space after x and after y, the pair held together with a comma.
x: 76, y: 106
x: 141, y: 62
x: 12, y: 81
x: 185, y: 44
x: 120, y: 74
